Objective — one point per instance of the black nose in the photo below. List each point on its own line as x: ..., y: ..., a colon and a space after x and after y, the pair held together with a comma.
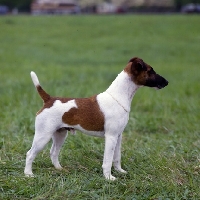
x: 166, y: 82
x: 162, y: 83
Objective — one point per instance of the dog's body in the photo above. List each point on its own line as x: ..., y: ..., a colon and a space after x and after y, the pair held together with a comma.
x: 104, y: 115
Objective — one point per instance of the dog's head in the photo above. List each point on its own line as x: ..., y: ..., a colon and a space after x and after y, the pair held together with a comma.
x: 143, y: 74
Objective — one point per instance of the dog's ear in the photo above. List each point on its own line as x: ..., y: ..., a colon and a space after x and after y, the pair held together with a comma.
x: 137, y: 65
x: 140, y: 66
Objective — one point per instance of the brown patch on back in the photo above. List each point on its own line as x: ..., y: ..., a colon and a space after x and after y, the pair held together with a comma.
x: 88, y: 115
x: 51, y: 101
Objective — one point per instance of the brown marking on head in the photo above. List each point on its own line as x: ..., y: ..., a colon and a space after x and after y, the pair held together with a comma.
x: 88, y: 115
x: 143, y: 74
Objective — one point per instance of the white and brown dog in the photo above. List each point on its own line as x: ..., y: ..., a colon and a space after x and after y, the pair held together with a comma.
x: 103, y: 115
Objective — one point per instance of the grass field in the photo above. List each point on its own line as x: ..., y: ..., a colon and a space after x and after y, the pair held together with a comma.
x: 79, y: 56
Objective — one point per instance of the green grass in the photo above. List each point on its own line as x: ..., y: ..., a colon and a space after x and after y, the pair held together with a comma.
x: 79, y: 56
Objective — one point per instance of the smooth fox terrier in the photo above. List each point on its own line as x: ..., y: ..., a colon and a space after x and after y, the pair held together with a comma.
x: 103, y: 115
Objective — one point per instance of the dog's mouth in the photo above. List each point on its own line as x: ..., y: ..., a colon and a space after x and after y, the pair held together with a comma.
x: 162, y: 85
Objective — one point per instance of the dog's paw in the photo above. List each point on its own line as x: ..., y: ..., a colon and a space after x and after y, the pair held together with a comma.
x: 110, y: 177
x: 30, y: 175
x: 121, y: 170
x: 59, y: 167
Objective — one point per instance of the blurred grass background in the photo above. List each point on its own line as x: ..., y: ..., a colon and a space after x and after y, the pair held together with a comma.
x: 78, y: 56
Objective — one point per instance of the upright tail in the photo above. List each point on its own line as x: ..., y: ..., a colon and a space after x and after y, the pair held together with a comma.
x: 41, y: 92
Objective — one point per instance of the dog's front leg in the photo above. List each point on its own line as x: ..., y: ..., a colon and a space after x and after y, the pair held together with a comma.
x: 110, y: 144
x: 117, y: 156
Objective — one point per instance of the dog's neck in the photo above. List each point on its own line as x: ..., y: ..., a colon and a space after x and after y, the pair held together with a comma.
x: 122, y: 90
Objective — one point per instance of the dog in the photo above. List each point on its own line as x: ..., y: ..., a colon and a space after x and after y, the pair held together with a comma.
x: 103, y: 115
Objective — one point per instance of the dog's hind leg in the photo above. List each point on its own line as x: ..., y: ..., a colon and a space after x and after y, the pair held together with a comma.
x: 58, y: 140
x: 39, y: 142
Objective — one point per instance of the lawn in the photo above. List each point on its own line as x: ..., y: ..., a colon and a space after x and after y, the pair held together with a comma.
x: 79, y: 56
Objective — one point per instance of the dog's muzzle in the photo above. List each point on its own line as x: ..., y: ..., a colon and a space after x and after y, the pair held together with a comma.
x: 157, y: 82
x: 163, y: 83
